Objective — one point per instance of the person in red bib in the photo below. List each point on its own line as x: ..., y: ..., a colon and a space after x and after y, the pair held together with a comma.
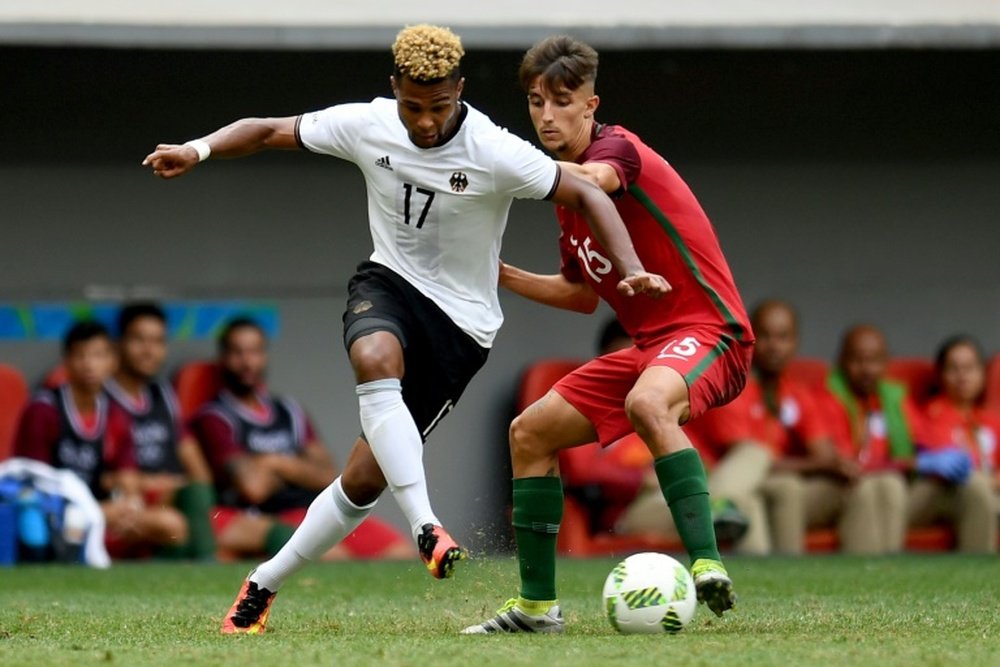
x: 172, y: 470
x: 963, y: 433
x: 77, y: 427
x: 267, y: 461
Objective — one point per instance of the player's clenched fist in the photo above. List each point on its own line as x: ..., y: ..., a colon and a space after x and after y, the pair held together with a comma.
x: 170, y: 160
x: 650, y: 284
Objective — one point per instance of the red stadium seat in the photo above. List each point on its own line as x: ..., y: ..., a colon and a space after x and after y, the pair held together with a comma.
x: 916, y: 373
x: 13, y: 397
x: 196, y: 383
x: 809, y: 371
x: 539, y: 378
x: 993, y: 383
x: 930, y: 538
x: 822, y: 541
x: 576, y: 541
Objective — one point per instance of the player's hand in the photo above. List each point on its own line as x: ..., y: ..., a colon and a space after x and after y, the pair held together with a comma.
x: 171, y: 160
x: 650, y: 284
x: 847, y: 468
x: 123, y: 515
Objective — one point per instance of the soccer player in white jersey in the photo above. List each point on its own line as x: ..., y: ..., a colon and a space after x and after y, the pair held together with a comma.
x: 423, y: 311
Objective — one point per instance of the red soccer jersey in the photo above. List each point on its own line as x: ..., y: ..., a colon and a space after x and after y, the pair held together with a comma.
x: 866, y: 440
x: 976, y: 431
x: 53, y: 431
x: 798, y: 419
x: 672, y: 237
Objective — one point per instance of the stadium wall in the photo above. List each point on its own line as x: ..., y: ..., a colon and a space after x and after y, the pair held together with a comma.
x: 861, y: 185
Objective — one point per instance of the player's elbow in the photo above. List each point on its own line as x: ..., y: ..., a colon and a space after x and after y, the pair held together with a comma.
x: 253, y: 485
x: 254, y: 493
x: 585, y: 303
x: 581, y: 298
x: 583, y: 195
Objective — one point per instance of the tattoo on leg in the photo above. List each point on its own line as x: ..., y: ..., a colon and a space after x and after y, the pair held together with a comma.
x: 538, y: 405
x: 552, y: 473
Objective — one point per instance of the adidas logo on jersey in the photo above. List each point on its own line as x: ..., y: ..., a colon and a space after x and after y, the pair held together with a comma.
x: 383, y: 162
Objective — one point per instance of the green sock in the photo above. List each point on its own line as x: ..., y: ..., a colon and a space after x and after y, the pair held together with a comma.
x: 538, y: 509
x: 685, y: 486
x: 195, y: 502
x: 276, y: 537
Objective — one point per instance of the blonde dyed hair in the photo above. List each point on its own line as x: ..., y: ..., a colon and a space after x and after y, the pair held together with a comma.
x: 427, y: 52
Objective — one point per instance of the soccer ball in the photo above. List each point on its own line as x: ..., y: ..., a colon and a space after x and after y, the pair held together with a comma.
x: 649, y: 593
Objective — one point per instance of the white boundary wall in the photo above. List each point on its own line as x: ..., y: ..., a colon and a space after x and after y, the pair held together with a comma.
x: 512, y: 23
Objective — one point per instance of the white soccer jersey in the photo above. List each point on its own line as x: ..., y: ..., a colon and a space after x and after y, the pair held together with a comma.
x: 437, y: 215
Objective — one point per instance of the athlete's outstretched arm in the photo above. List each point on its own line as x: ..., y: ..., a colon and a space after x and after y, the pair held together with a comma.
x: 244, y: 137
x: 601, y: 174
x: 550, y: 290
x: 608, y: 227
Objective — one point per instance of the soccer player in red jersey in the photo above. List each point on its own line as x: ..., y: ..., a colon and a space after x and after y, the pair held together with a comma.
x: 692, y: 348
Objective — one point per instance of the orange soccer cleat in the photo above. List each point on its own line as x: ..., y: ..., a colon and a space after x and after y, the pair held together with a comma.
x: 249, y: 612
x: 439, y: 551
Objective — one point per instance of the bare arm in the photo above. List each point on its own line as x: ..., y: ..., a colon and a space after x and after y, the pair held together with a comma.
x: 609, y: 229
x: 254, y: 481
x: 312, y: 469
x: 244, y: 137
x: 601, y: 174
x: 550, y: 290
x: 193, y: 461
x: 821, y: 456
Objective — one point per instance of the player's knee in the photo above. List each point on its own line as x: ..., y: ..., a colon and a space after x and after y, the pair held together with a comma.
x: 374, y: 358
x: 977, y: 491
x: 526, y: 442
x: 865, y: 493
x: 174, y: 527
x: 649, y: 411
x: 363, y: 487
x: 786, y: 489
x: 894, y: 490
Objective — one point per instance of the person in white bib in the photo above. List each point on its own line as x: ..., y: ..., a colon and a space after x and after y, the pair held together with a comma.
x: 422, y: 312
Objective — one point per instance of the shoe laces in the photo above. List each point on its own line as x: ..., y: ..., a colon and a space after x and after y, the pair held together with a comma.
x: 427, y: 539
x: 507, y: 606
x: 253, y: 603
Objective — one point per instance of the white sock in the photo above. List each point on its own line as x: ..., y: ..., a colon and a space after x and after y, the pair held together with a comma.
x: 331, y: 517
x: 398, y: 448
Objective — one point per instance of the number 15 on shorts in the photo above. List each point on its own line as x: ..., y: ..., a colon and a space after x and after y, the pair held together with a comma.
x: 682, y: 349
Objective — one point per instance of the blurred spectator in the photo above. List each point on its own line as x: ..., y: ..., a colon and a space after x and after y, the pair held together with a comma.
x: 266, y: 460
x: 172, y: 470
x: 767, y: 438
x: 872, y: 421
x: 963, y: 436
x: 76, y: 427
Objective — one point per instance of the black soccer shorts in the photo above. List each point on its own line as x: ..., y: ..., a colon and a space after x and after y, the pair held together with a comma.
x: 440, y: 359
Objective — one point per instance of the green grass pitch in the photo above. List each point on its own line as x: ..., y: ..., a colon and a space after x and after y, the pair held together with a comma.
x: 826, y: 611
